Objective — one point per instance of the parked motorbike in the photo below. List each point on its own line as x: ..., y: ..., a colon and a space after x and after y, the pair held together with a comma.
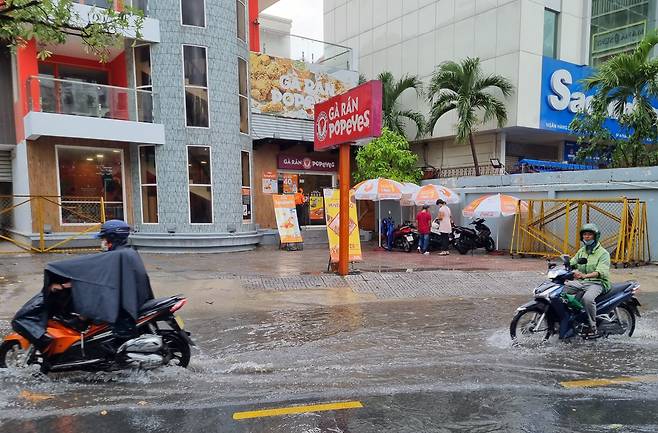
x: 435, y: 237
x: 405, y: 237
x: 78, y: 345
x: 552, y: 313
x: 467, y: 239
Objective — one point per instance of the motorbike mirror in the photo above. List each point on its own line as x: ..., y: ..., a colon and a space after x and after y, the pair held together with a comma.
x: 582, y: 261
x: 565, y: 259
x: 551, y: 265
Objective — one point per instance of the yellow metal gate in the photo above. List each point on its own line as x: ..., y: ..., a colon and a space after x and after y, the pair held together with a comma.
x: 551, y: 228
x: 85, y: 212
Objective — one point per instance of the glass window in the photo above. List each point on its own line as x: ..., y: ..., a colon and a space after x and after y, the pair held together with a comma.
x: 148, y: 181
x: 243, y: 95
x: 618, y: 26
x: 550, y: 33
x: 196, y: 107
x: 200, y: 184
x: 144, y: 100
x: 194, y: 61
x: 142, y: 5
x: 143, y: 66
x: 85, y: 175
x: 246, y: 187
x: 105, y: 4
x: 196, y: 86
x: 242, y: 20
x: 193, y: 12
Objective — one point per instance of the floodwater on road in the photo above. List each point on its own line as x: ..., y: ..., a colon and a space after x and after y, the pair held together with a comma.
x: 415, y: 365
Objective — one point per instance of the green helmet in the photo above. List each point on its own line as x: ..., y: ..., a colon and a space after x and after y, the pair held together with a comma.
x: 592, y: 228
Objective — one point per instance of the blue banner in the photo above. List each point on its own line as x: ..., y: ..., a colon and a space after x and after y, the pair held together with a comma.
x: 562, y: 96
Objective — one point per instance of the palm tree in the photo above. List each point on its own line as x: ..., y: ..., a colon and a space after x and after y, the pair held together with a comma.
x: 393, y: 114
x: 463, y: 87
x: 631, y: 76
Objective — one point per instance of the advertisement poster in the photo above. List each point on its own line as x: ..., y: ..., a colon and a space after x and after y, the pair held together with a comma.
x: 291, y: 88
x: 286, y: 219
x: 270, y: 184
x: 316, y: 207
x: 332, y: 206
x: 290, y: 182
x: 246, y: 204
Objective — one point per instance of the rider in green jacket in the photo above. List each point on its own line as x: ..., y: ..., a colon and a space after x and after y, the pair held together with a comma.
x: 591, y: 266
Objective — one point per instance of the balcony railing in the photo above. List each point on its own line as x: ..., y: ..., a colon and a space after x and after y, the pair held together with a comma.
x: 444, y: 173
x: 116, y: 4
x: 285, y: 45
x: 52, y: 95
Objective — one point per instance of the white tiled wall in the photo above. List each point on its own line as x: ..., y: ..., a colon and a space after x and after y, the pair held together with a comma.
x: 413, y: 36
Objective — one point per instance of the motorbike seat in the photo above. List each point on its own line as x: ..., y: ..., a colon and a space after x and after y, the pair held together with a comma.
x: 154, y: 304
x: 614, y: 289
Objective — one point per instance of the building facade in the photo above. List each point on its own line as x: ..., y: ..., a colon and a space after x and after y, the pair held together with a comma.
x: 159, y: 135
x: 289, y: 74
x: 541, y: 46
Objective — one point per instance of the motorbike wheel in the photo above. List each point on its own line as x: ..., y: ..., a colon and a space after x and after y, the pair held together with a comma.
x: 406, y: 246
x: 489, y: 244
x: 179, y: 349
x: 627, y: 319
x: 12, y: 355
x: 525, y: 330
x: 461, y: 247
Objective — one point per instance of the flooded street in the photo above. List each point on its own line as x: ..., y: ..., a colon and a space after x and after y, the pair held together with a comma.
x: 415, y: 365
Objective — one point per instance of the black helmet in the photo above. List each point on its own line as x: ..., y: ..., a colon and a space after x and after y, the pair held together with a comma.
x: 115, y: 231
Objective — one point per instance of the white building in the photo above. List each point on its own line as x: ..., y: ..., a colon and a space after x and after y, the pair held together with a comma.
x: 526, y: 41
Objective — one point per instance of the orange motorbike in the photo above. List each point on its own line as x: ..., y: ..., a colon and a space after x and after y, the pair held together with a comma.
x: 81, y: 345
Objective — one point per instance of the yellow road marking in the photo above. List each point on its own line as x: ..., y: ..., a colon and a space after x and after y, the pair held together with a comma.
x: 591, y: 383
x: 297, y: 410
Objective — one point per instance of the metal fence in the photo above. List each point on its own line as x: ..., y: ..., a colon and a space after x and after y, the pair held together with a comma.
x: 551, y: 228
x: 444, y: 173
x: 76, y: 216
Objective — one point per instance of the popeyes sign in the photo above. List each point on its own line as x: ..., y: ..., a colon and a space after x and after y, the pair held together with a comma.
x: 351, y: 116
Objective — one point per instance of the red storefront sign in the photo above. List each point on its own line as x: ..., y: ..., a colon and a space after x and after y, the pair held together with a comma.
x: 307, y: 163
x: 351, y: 116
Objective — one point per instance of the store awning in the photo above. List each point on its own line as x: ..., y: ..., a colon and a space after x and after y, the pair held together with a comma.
x: 541, y: 166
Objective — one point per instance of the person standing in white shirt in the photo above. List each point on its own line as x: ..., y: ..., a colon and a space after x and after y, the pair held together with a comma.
x: 445, y: 226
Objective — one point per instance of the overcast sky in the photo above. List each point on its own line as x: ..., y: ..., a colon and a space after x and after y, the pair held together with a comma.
x: 306, y: 16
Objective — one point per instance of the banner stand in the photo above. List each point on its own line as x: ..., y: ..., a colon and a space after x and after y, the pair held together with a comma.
x: 290, y: 237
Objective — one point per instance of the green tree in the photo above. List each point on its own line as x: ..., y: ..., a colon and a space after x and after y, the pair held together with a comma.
x: 52, y: 21
x: 388, y: 156
x: 394, y: 116
x: 625, y: 86
x: 464, y: 87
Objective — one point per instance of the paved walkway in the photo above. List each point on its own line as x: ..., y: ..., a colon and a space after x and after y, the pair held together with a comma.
x: 382, y: 275
x: 420, y: 284
x: 272, y: 262
x: 269, y: 261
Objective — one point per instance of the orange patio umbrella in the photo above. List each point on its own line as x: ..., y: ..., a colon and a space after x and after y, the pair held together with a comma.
x: 377, y: 190
x: 494, y: 206
x: 429, y: 194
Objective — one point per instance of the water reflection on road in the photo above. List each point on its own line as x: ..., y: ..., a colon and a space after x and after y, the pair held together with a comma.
x: 417, y: 366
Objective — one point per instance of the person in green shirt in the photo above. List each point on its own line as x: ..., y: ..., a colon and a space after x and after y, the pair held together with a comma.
x: 591, y: 266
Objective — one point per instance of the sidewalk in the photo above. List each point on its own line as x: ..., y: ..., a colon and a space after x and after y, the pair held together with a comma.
x: 259, y: 278
x: 270, y: 261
